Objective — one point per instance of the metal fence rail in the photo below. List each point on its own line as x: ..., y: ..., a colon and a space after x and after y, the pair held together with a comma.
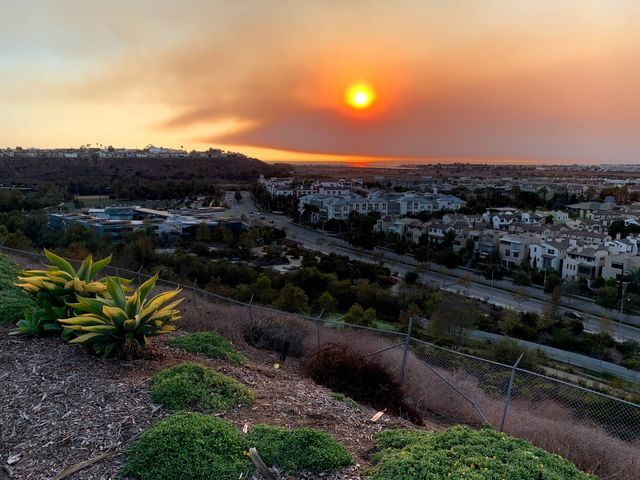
x: 459, y: 386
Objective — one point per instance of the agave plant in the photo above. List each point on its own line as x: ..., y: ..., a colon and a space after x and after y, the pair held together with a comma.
x: 39, y: 321
x: 56, y: 286
x: 123, y: 322
x: 60, y: 282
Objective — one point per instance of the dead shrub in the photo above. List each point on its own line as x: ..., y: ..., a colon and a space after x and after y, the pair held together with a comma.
x: 271, y: 333
x: 363, y: 380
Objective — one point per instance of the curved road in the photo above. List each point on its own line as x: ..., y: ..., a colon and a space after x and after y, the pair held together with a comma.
x: 448, y: 280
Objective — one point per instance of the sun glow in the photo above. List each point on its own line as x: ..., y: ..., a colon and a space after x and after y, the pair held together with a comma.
x: 360, y: 96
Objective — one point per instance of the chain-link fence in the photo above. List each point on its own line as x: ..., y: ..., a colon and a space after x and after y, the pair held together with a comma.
x: 438, y: 381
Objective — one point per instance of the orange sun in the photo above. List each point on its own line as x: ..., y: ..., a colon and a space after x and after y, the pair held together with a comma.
x: 360, y: 96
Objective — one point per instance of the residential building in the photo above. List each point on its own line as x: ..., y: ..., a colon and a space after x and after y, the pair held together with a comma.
x: 547, y: 255
x: 514, y: 249
x: 583, y: 263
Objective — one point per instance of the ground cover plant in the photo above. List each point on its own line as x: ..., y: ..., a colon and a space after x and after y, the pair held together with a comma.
x: 192, y: 386
x: 13, y: 300
x: 295, y: 450
x: 461, y: 452
x: 211, y: 344
x: 189, y: 446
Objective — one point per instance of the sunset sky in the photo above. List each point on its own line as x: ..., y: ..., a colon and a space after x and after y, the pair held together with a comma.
x: 459, y: 79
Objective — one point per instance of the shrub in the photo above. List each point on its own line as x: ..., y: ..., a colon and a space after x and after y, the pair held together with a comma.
x: 292, y: 299
x: 211, y: 344
x: 461, y: 452
x: 522, y: 279
x: 13, y: 301
x: 411, y: 277
x: 299, y: 449
x: 507, y: 350
x: 270, y: 333
x: 365, y: 381
x: 188, y: 446
x: 191, y: 386
x: 123, y: 323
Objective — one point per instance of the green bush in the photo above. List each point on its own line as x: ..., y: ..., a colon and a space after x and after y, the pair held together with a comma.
x: 191, y: 386
x: 211, y: 344
x: 299, y: 449
x: 461, y: 452
x: 189, y: 446
x: 13, y: 301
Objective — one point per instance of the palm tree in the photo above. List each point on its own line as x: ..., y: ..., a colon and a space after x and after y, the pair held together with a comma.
x: 635, y: 277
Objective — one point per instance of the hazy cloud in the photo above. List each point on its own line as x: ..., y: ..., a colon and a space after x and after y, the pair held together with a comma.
x: 544, y: 80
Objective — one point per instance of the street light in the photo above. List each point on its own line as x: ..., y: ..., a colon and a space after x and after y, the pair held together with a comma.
x: 622, y: 299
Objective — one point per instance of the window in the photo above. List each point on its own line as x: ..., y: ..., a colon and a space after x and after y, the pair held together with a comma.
x: 516, y: 254
x: 507, y: 253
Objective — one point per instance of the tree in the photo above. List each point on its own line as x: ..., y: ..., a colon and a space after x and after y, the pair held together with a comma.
x: 433, y: 303
x: 412, y: 311
x: 521, y: 278
x: 513, y: 325
x: 465, y: 282
x: 307, y: 212
x: 551, y: 314
x: 202, y: 233
x: 606, y: 324
x: 452, y: 318
x: 521, y: 294
x: 327, y: 303
x: 368, y: 317
x: 361, y: 232
x: 508, y: 351
x: 552, y: 281
x: 292, y: 299
x: 262, y: 291
x: 354, y: 315
x: 606, y: 296
x: 411, y: 277
x: 635, y: 278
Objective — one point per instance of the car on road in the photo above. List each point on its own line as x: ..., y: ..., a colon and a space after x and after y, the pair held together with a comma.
x: 262, y: 217
x: 271, y: 221
x: 574, y: 315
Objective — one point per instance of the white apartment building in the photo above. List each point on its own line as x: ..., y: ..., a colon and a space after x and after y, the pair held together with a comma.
x: 546, y: 255
x: 583, y: 263
x: 339, y: 208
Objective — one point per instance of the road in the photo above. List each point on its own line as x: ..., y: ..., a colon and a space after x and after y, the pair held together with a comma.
x: 501, y: 293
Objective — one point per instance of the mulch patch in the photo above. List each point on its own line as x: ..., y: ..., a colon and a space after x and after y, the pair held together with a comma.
x: 59, y: 406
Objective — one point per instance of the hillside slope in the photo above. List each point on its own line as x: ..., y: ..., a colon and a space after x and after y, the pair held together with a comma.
x: 65, y: 170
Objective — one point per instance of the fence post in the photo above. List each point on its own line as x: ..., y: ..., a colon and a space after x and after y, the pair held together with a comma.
x: 251, y: 315
x: 193, y: 290
x: 318, y: 320
x: 405, y: 354
x: 508, y: 399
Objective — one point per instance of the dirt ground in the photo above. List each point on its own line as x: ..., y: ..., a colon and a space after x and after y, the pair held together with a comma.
x: 59, y: 406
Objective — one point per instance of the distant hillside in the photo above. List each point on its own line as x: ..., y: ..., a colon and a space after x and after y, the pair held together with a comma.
x: 234, y: 167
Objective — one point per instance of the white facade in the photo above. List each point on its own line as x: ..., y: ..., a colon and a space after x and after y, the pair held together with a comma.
x: 583, y: 262
x: 546, y: 255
